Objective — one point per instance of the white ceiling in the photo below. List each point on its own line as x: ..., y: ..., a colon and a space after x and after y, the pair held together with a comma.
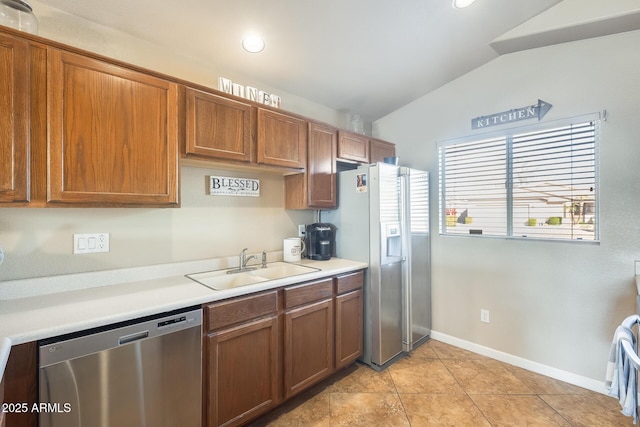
x: 360, y: 56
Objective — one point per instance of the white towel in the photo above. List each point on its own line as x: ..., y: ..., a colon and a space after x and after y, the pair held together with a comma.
x: 621, y: 332
x: 621, y: 372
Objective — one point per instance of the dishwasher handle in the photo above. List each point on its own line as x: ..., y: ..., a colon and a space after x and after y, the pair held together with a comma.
x: 126, y: 339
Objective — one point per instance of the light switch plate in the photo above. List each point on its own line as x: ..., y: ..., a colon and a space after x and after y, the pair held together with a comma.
x: 90, y: 243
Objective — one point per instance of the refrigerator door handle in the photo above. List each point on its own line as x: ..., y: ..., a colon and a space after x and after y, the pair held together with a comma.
x: 407, y: 343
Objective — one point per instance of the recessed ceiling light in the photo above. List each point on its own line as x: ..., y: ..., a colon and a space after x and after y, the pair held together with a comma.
x: 459, y: 4
x: 253, y: 44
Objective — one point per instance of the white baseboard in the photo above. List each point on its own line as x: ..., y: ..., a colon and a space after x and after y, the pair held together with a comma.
x: 568, y: 377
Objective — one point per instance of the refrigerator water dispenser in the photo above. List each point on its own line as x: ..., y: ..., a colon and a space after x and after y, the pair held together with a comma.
x: 392, y: 242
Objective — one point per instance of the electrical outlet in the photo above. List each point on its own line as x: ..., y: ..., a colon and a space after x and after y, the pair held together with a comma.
x: 90, y: 243
x: 484, y: 315
x: 302, y: 230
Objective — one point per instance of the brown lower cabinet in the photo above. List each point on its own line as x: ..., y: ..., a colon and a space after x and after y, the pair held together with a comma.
x: 2, y: 418
x: 242, y: 358
x: 259, y: 350
x: 21, y: 385
x: 348, y: 328
x: 308, y: 335
x: 264, y: 348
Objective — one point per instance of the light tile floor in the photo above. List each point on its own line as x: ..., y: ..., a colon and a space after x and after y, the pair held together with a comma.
x: 442, y: 385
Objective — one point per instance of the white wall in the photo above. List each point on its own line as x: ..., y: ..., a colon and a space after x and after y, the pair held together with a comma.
x: 62, y: 27
x: 552, y: 303
x: 38, y: 242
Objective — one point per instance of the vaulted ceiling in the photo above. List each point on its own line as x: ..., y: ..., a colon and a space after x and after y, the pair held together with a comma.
x: 359, y: 56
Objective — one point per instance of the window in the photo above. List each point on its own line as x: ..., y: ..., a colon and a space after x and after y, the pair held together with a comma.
x: 529, y: 183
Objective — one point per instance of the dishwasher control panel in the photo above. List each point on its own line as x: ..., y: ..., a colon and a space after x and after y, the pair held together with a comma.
x: 55, y: 350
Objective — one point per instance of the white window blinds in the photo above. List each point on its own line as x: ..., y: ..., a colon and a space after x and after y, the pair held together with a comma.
x: 536, y: 184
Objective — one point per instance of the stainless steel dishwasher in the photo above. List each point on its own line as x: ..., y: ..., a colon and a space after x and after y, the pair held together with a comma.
x: 134, y: 374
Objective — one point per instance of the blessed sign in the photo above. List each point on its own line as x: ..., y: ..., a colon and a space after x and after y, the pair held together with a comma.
x: 231, y: 186
x: 530, y: 112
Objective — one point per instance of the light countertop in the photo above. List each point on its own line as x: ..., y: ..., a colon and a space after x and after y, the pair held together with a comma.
x: 33, y: 309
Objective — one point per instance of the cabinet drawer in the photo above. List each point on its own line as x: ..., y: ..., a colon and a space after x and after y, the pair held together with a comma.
x: 349, y: 282
x: 226, y: 313
x: 308, y: 292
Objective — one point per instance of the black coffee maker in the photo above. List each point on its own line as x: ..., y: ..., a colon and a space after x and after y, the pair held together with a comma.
x: 320, y: 241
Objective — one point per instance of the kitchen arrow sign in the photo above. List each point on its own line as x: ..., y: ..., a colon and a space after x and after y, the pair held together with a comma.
x: 532, y: 111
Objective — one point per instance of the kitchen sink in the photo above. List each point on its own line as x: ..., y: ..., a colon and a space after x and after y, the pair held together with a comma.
x: 279, y: 270
x: 221, y: 280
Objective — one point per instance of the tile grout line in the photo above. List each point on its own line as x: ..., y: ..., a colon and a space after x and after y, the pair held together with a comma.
x: 536, y: 394
x: 451, y: 361
x: 404, y: 409
x: 506, y: 367
x: 462, y: 388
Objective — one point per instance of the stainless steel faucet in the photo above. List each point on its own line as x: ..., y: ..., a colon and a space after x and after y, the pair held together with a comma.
x: 242, y: 263
x: 244, y: 260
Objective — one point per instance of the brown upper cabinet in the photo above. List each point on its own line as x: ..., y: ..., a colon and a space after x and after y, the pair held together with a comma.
x: 217, y: 127
x: 317, y: 187
x: 113, y: 133
x: 14, y: 119
x: 281, y: 140
x: 220, y: 128
x: 357, y: 148
x: 78, y: 129
x: 379, y: 149
x: 353, y: 147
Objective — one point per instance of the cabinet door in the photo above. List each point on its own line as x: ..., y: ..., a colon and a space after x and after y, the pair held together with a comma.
x: 218, y: 127
x: 14, y: 135
x: 242, y: 372
x: 380, y: 149
x: 2, y: 419
x: 21, y: 384
x: 308, y: 346
x: 321, y: 167
x: 282, y: 140
x: 2, y: 423
x: 317, y: 187
x: 353, y: 147
x: 349, y: 337
x: 113, y: 134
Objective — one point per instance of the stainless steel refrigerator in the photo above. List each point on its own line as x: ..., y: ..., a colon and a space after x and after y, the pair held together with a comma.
x: 383, y: 219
